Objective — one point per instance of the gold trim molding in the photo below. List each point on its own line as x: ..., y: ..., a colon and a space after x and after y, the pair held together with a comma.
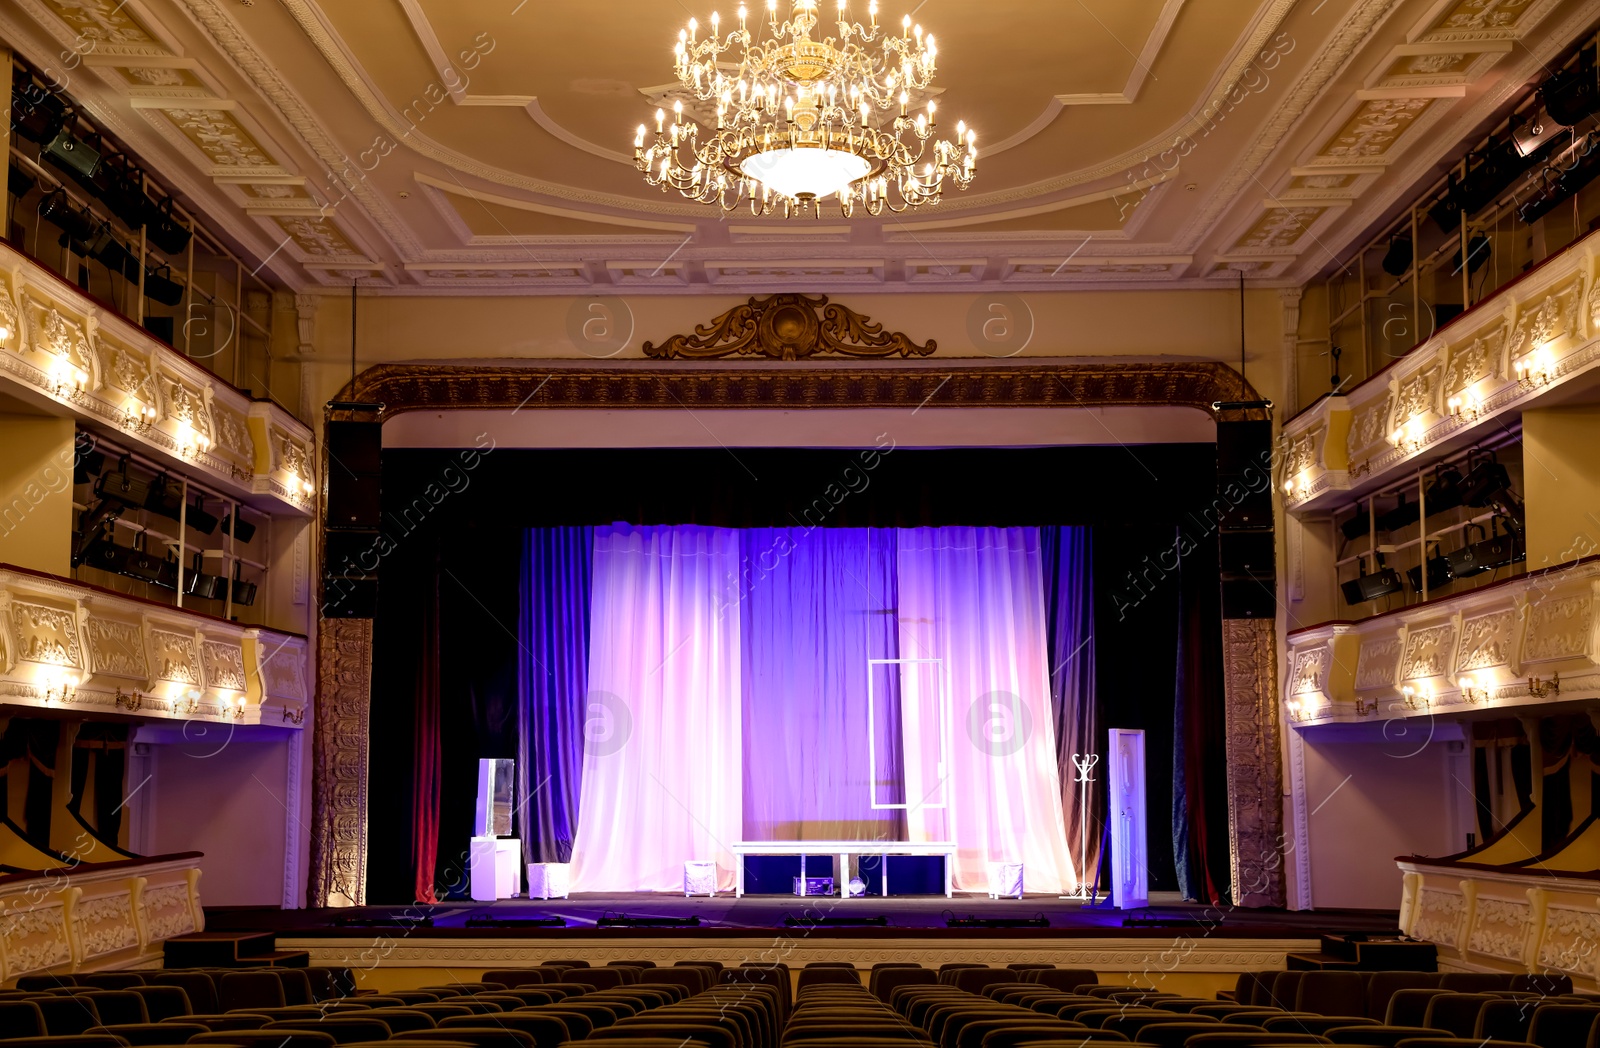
x: 516, y: 385
x: 1255, y: 771
x: 787, y: 327
x: 339, y: 763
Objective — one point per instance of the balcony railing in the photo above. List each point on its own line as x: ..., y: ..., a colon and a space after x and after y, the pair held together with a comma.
x: 1527, y: 641
x: 68, y: 646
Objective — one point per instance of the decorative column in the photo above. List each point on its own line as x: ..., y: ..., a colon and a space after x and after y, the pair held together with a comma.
x: 1255, y: 773
x: 1290, y: 298
x: 339, y: 756
x: 305, y: 308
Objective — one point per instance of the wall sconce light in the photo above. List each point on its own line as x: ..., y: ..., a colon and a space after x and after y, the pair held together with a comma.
x: 187, y: 703
x: 1540, y: 689
x: 238, y: 708
x: 306, y: 487
x: 131, y: 703
x: 1472, y: 689
x: 1366, y: 709
x: 294, y: 716
x: 1466, y: 407
x: 190, y: 442
x: 1536, y: 369
x: 137, y: 417
x: 60, y: 688
x: 67, y: 379
x: 1417, y: 698
x: 1408, y: 437
x: 5, y: 333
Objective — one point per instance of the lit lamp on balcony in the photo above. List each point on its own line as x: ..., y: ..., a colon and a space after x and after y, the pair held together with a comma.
x: 137, y: 416
x: 1465, y: 406
x: 1473, y: 688
x: 1536, y: 369
x: 59, y: 687
x: 1417, y: 698
x: 5, y: 333
x: 1408, y: 437
x: 237, y: 709
x: 191, y: 443
x: 1294, y: 484
x: 67, y: 379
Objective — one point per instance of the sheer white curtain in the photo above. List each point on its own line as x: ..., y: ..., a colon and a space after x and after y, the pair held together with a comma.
x: 974, y: 598
x: 661, y: 762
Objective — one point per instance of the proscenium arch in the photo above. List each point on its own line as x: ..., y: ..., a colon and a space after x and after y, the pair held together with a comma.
x: 384, y: 391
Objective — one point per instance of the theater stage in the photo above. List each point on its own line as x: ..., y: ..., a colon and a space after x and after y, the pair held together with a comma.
x: 1184, y: 947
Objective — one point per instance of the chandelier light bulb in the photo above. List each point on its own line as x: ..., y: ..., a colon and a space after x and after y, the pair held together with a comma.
x: 811, y: 117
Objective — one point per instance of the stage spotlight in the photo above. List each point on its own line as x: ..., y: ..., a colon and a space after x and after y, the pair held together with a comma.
x: 72, y: 154
x: 951, y: 921
x: 19, y: 183
x: 162, y: 289
x: 36, y: 114
x: 1366, y: 587
x: 241, y: 592
x: 1438, y: 574
x: 1496, y: 551
x: 241, y: 530
x: 1397, y: 260
x: 516, y: 922
x: 197, y: 583
x: 622, y: 920
x: 1572, y: 95
x: 1532, y: 135
x: 164, y: 230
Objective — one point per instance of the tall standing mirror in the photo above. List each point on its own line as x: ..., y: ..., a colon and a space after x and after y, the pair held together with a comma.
x: 495, y: 789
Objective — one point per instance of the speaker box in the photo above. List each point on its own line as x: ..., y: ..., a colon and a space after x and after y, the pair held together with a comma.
x: 1249, y: 598
x: 352, y: 553
x: 355, y: 447
x: 1249, y: 553
x: 354, y: 501
x: 349, y: 598
x: 1242, y: 447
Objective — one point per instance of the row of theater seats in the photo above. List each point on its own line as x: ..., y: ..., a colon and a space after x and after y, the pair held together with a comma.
x: 704, y: 1005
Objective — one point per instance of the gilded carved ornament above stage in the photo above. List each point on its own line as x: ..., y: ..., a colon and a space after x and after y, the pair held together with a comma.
x: 787, y: 327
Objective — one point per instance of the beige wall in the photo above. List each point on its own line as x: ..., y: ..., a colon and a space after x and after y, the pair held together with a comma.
x: 1375, y: 793
x: 1148, y: 324
x: 214, y: 790
x: 36, y: 492
x: 1561, y: 483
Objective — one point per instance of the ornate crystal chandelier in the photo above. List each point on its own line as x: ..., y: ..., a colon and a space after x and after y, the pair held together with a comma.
x: 800, y: 119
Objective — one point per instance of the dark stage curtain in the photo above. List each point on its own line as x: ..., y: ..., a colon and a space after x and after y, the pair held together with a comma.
x: 552, y: 689
x: 1200, y: 793
x: 1069, y: 622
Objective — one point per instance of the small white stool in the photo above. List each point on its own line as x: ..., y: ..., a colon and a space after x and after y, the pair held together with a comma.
x: 549, y: 880
x: 1005, y: 879
x: 699, y: 878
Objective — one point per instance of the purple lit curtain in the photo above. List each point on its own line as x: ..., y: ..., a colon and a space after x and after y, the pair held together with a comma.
x: 661, y: 769
x: 553, y: 687
x: 973, y: 598
x: 814, y: 606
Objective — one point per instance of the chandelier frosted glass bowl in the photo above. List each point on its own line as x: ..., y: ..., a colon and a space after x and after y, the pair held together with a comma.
x: 800, y: 119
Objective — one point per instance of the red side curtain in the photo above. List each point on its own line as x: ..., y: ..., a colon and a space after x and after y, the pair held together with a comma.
x: 426, y: 745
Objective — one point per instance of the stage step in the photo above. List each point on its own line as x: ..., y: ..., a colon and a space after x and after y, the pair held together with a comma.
x: 230, y: 950
x: 1365, y: 952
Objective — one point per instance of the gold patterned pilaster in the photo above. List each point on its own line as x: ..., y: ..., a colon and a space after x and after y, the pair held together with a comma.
x: 339, y: 757
x: 1255, y: 773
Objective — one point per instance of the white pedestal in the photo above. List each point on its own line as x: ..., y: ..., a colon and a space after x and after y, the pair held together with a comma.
x: 496, y: 868
x: 699, y: 878
x: 549, y: 880
x: 1005, y: 879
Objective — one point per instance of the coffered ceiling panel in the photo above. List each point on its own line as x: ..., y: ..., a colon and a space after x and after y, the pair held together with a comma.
x: 470, y: 146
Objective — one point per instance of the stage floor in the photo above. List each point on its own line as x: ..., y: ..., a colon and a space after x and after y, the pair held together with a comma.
x: 724, y: 915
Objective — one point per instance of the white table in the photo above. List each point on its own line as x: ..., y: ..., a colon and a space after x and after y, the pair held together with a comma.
x: 844, y: 849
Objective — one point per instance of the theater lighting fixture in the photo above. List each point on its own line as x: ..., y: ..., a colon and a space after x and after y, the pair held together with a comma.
x: 1540, y: 688
x: 67, y: 379
x: 1408, y: 437
x: 1536, y: 369
x: 132, y: 703
x: 136, y: 416
x: 59, y: 687
x: 238, y: 708
x: 1473, y: 689
x: 191, y: 442
x: 1466, y: 406
x: 1366, y: 709
x: 792, y: 118
x: 187, y: 702
x: 5, y: 333
x: 1417, y: 698
x: 296, y: 716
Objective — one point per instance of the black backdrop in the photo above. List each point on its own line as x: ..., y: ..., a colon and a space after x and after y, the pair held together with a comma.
x: 453, y: 523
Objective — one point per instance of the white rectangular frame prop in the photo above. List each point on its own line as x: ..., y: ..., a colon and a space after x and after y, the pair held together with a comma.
x: 1130, y: 879
x: 943, y: 712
